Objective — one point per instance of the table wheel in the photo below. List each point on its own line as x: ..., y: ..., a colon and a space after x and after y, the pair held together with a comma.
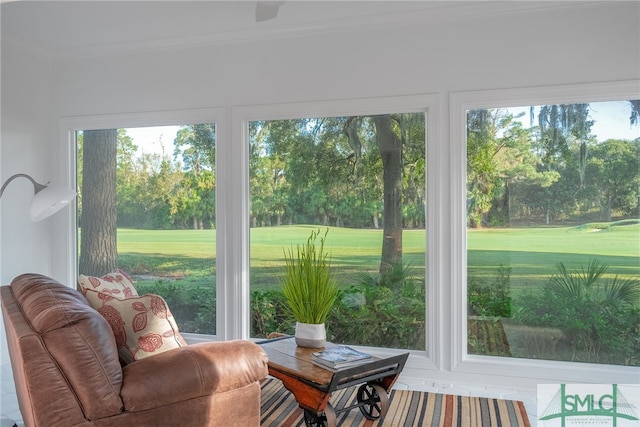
x: 373, y: 401
x: 326, y: 419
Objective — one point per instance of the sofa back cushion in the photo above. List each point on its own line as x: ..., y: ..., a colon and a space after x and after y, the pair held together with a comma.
x: 78, y: 338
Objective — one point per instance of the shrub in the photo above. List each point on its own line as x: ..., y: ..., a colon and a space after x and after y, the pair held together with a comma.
x: 599, y: 318
x: 193, y: 307
x: 385, y: 310
x: 270, y: 313
x: 490, y: 300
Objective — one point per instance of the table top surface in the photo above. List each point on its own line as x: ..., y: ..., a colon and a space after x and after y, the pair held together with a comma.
x: 286, y: 357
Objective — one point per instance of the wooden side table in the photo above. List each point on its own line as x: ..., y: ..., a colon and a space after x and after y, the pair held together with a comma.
x: 312, y: 385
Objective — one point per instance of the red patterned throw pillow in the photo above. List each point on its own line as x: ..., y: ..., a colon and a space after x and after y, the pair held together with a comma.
x: 117, y: 284
x: 142, y: 325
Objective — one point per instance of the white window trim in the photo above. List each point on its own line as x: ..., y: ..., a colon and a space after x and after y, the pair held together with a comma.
x: 68, y: 126
x: 532, y: 370
x: 445, y: 360
x: 239, y: 185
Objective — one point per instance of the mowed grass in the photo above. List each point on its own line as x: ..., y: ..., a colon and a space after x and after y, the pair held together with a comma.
x: 531, y: 252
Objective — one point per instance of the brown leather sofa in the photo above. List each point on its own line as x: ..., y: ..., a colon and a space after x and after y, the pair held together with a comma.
x: 67, y: 372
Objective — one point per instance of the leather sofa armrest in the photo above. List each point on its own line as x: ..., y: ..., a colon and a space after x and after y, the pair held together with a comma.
x: 191, y: 371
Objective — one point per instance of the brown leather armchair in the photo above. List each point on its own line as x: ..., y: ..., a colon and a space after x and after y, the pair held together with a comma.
x: 67, y: 372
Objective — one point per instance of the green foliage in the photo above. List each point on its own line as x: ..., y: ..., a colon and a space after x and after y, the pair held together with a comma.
x: 197, y: 144
x: 583, y: 285
x: 608, y: 225
x: 189, y: 260
x: 270, y: 313
x: 383, y: 311
x: 557, y: 171
x: 599, y: 316
x: 193, y: 307
x: 308, y: 285
x: 490, y: 300
x: 205, y: 321
x: 320, y: 171
x: 613, y: 178
x: 488, y: 304
x: 393, y: 277
x: 376, y: 312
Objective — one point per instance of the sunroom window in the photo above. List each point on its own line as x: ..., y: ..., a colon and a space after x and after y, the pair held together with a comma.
x: 146, y: 205
x: 361, y: 180
x: 553, y: 232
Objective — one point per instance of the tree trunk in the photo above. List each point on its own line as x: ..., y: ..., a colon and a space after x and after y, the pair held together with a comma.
x: 390, y: 148
x: 98, y: 246
x: 548, y: 217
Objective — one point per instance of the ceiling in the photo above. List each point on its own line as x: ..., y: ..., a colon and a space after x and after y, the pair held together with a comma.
x: 93, y: 27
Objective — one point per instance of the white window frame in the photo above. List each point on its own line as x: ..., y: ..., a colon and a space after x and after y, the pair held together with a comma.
x: 239, y: 327
x: 534, y: 370
x: 446, y: 359
x: 68, y: 126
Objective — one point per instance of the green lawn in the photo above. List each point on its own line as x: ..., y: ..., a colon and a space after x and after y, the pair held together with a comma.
x: 530, y: 252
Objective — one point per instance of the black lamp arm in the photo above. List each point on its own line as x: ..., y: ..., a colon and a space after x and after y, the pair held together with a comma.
x: 36, y: 186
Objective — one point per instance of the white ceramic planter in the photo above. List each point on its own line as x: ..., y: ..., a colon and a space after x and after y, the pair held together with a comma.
x: 310, y: 335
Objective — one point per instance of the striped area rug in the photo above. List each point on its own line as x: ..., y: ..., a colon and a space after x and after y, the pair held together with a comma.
x: 406, y: 409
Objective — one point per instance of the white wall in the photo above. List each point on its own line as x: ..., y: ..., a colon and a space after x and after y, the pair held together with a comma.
x: 27, y: 146
x: 558, y: 47
x: 595, y: 43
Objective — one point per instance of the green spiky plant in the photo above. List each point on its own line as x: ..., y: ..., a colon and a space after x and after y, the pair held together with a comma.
x: 585, y: 285
x: 308, y: 284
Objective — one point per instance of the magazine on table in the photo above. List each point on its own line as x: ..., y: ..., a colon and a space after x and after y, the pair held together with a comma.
x: 339, y: 357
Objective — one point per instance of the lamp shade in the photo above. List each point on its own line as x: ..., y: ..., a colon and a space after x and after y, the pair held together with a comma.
x: 47, y: 199
x: 50, y: 200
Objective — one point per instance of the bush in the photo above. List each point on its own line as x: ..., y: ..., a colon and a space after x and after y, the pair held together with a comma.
x: 599, y: 318
x: 382, y: 310
x: 387, y: 317
x: 193, y: 309
x: 270, y: 313
x: 385, y: 310
x: 490, y: 300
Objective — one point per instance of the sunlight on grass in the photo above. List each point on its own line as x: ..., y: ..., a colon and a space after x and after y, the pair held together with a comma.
x: 532, y: 253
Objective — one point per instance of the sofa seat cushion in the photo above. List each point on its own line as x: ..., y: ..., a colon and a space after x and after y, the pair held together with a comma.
x: 191, y: 372
x: 142, y: 325
x: 118, y: 284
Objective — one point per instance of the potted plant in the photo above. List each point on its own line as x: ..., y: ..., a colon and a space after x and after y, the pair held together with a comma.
x: 310, y: 289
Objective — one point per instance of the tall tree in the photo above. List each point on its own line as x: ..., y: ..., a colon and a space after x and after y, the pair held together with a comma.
x: 98, y: 244
x: 390, y: 147
x: 482, y: 174
x: 614, y: 180
x: 127, y: 181
x: 559, y: 125
x: 347, y: 171
x: 499, y: 158
x: 197, y: 143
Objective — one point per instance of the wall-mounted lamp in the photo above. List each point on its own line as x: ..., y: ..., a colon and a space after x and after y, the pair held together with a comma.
x: 47, y: 199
